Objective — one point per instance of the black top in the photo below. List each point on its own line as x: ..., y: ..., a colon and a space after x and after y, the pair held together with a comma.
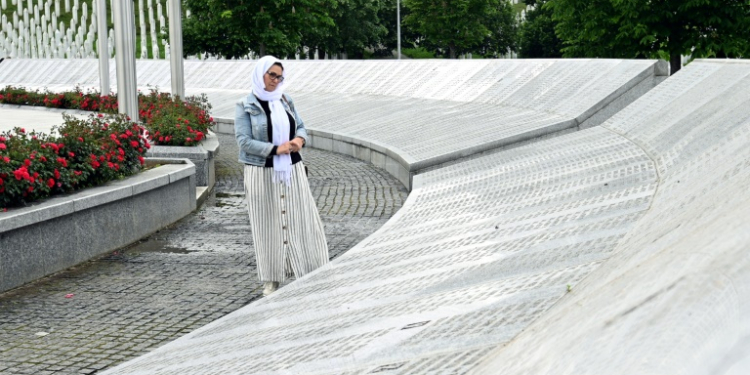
x: 292, y: 131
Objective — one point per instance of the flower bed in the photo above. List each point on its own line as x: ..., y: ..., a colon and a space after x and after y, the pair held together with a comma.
x: 83, y: 153
x: 169, y: 120
x: 91, y: 152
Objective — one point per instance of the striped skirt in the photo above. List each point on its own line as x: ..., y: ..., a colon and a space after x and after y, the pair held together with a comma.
x: 286, y: 227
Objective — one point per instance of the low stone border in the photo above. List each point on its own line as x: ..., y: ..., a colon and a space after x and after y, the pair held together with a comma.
x: 202, y: 155
x: 63, y: 231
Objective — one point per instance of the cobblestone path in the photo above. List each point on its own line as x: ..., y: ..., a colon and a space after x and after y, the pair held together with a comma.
x: 121, y: 305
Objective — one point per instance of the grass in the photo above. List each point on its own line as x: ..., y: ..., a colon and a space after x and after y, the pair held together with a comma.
x: 65, y: 17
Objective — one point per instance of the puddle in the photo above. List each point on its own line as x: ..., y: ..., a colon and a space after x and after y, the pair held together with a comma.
x: 157, y: 246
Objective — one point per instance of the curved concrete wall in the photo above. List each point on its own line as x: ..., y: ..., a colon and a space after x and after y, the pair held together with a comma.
x: 404, y: 116
x: 617, y: 249
x: 674, y: 298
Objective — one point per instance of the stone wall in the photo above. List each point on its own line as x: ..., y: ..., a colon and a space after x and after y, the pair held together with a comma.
x: 61, y: 232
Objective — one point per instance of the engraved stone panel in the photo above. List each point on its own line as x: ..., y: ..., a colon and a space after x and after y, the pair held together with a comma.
x: 477, y: 254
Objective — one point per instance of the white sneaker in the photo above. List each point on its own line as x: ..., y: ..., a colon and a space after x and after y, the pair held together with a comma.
x: 270, y: 287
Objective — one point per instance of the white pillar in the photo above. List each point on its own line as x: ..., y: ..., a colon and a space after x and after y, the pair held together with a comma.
x: 127, y: 94
x: 175, y: 46
x: 102, y: 46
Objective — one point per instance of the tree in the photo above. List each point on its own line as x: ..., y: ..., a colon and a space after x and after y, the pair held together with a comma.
x: 536, y: 37
x: 357, y: 27
x: 458, y: 26
x: 503, y: 30
x: 653, y: 28
x: 388, y: 42
x: 233, y: 28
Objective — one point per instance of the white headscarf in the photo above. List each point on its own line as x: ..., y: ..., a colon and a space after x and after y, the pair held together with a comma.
x: 282, y: 164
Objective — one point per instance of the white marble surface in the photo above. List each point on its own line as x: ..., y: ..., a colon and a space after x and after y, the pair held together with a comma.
x: 31, y: 119
x: 427, y: 111
x: 618, y: 249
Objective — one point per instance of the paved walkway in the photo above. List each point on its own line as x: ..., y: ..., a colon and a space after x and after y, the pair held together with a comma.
x: 124, y: 304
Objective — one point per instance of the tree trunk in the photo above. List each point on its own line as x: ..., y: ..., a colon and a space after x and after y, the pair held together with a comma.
x: 452, y: 52
x: 262, y: 51
x: 321, y: 54
x: 675, y: 62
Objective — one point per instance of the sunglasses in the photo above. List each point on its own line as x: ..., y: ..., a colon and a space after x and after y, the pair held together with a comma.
x: 275, y: 77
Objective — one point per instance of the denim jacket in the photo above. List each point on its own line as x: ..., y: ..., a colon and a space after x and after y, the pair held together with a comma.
x: 251, y: 129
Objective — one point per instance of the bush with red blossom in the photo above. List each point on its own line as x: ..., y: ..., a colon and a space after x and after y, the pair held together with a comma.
x: 83, y: 153
x: 89, y: 100
x: 175, y: 122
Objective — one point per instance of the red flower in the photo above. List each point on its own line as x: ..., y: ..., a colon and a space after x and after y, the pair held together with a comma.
x: 110, y: 164
x: 188, y: 140
x: 27, y: 162
x: 21, y: 173
x: 120, y: 158
x: 57, y: 174
x: 2, y: 146
x: 2, y: 182
x: 50, y: 183
x: 31, y: 189
x: 141, y: 159
x: 113, y: 136
x: 161, y: 139
x: 134, y: 144
x: 23, y: 130
x: 62, y: 161
x: 2, y: 139
x: 80, y: 139
x: 77, y: 173
x: 72, y: 155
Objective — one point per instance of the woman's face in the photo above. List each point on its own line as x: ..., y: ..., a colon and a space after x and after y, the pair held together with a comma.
x: 273, y: 77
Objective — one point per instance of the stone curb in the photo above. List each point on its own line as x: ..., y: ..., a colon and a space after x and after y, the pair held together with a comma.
x: 63, y: 231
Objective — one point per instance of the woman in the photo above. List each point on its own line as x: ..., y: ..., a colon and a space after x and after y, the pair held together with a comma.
x: 287, y: 231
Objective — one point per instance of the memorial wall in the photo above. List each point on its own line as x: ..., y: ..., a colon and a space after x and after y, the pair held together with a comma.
x: 616, y: 249
x: 404, y: 116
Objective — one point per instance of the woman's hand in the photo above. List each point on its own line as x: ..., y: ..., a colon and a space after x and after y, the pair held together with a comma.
x: 297, y: 144
x: 285, y: 148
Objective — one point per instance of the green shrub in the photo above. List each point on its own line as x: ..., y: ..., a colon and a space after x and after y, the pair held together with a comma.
x: 417, y: 53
